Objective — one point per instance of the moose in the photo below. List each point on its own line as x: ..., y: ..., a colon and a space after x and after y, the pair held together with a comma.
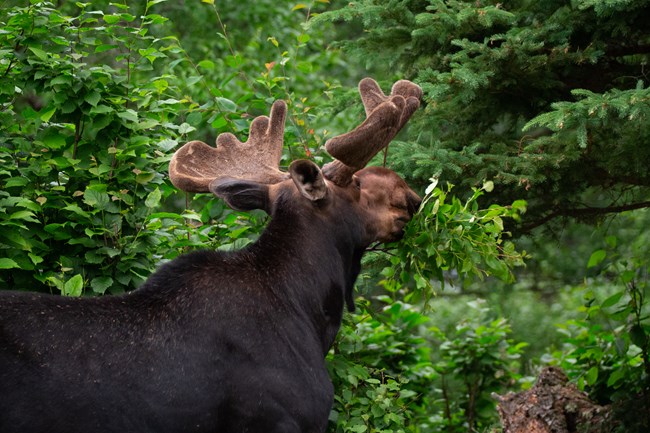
x: 212, y: 341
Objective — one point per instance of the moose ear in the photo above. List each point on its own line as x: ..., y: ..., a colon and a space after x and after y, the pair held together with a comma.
x: 242, y: 195
x: 309, y: 179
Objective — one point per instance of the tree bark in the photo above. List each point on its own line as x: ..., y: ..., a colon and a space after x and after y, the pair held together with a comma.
x: 552, y: 405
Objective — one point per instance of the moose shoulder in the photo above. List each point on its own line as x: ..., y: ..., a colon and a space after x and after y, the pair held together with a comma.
x: 219, y: 342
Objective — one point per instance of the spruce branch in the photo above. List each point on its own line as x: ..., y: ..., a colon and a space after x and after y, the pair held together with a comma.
x: 584, y: 212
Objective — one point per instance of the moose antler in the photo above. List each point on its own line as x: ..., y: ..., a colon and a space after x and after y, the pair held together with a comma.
x: 196, y: 164
x: 385, y: 116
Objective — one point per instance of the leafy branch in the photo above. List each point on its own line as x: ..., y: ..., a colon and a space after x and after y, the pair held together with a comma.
x: 448, y: 237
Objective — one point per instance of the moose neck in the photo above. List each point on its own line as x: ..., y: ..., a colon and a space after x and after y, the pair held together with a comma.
x: 313, y: 265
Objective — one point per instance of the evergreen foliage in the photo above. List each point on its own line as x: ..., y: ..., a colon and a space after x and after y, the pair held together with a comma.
x: 549, y: 100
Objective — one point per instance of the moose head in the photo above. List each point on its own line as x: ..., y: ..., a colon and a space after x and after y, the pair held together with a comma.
x: 247, y: 175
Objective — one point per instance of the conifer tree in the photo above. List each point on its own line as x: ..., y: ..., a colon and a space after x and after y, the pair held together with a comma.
x: 550, y: 100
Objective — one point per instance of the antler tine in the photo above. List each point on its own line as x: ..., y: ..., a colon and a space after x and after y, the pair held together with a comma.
x: 385, y: 116
x: 195, y: 165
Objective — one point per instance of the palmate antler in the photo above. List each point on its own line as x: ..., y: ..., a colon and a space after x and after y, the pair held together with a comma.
x: 195, y: 165
x: 385, y: 117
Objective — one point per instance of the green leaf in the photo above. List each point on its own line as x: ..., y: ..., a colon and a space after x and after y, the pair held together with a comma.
x: 612, y: 300
x: 24, y: 215
x: 104, y: 47
x: 112, y: 19
x: 86, y: 242
x: 185, y: 128
x: 627, y: 276
x: 144, y: 178
x: 592, y: 375
x: 639, y: 337
x: 100, y: 284
x: 153, y: 199
x: 234, y: 61
x: 101, y: 109
x: 14, y: 238
x: 219, y: 122
x: 16, y: 181
x: 305, y: 67
x: 93, y: 98
x: 35, y: 259
x: 128, y: 114
x: 616, y: 376
x: 77, y: 210
x: 226, y: 104
x: 73, y: 286
x: 96, y: 199
x: 61, y: 79
x: 54, y: 140
x: 171, y: 215
x: 167, y: 145
x: 93, y: 257
x: 596, y: 258
x: 47, y: 115
x: 6, y: 263
x: 41, y: 54
x: 206, y: 64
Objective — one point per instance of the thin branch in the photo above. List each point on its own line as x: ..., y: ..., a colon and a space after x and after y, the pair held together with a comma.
x: 379, y: 248
x: 583, y: 213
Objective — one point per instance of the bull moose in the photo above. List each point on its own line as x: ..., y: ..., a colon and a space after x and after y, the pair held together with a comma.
x: 212, y: 341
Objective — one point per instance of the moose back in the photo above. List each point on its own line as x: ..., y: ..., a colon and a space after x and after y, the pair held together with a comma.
x: 212, y: 341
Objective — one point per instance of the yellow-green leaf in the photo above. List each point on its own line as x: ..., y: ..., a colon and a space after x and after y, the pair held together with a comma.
x: 46, y: 116
x: 8, y: 263
x: 596, y: 258
x: 73, y: 286
x: 153, y: 199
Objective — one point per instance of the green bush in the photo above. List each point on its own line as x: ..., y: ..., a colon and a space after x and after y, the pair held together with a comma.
x: 607, y: 350
x: 380, y: 366
x: 87, y: 128
x: 475, y: 360
x: 396, y: 372
x: 94, y: 101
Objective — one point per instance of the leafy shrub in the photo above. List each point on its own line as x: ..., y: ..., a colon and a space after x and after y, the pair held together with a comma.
x: 395, y: 372
x: 475, y: 360
x: 380, y: 367
x: 607, y: 351
x: 93, y: 103
x: 88, y: 125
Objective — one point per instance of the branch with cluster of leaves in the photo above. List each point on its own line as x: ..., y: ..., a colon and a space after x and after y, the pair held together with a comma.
x: 450, y: 238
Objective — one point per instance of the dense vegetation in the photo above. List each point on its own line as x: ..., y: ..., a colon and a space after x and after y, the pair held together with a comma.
x: 533, y: 137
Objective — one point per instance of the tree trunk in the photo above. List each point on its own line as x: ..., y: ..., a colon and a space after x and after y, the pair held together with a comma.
x: 552, y: 405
